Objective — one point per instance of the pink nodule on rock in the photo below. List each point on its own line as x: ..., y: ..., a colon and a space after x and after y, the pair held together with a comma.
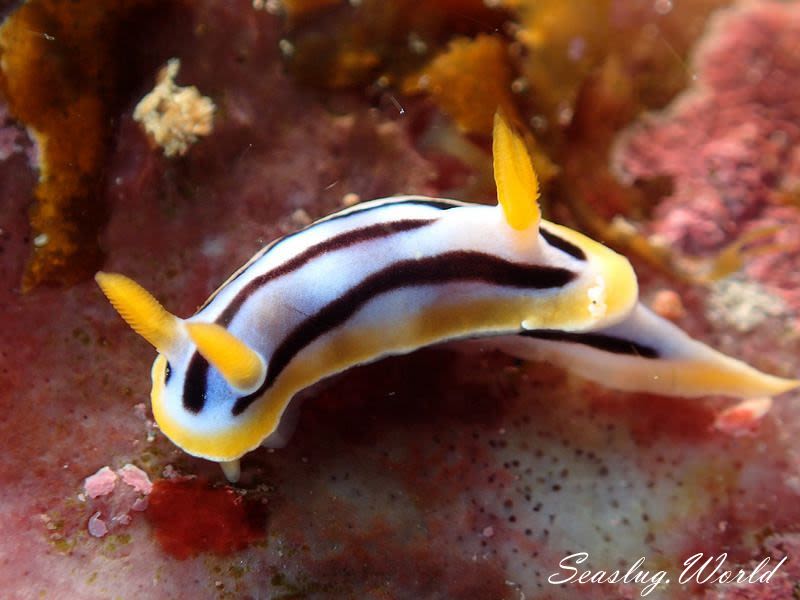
x: 111, y: 503
x: 136, y: 478
x: 140, y: 504
x: 101, y: 483
x: 97, y: 526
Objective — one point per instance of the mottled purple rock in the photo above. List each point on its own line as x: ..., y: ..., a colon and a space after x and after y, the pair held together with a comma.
x: 730, y: 142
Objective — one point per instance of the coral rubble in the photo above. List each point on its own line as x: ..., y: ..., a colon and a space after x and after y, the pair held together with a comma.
x: 174, y: 116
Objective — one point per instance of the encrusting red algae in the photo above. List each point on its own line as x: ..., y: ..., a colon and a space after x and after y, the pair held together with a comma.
x: 190, y: 517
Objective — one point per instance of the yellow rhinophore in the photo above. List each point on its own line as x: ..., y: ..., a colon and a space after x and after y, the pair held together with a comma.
x: 517, y: 185
x: 141, y: 311
x: 241, y: 366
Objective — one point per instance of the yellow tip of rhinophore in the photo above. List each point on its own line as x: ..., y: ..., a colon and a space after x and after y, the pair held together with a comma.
x: 140, y: 310
x: 517, y: 185
x: 241, y: 366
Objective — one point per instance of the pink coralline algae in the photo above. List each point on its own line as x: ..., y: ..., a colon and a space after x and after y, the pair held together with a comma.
x: 136, y: 478
x: 97, y: 526
x: 101, y: 483
x: 730, y: 143
x: 113, y: 502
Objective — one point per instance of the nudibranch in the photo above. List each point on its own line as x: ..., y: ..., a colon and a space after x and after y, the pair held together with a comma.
x: 390, y: 276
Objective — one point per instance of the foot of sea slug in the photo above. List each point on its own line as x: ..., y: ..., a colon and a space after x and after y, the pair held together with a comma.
x: 232, y: 470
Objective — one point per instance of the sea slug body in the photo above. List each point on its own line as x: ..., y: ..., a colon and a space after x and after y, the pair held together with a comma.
x: 390, y: 276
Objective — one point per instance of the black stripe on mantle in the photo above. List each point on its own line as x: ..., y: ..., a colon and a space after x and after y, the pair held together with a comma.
x: 599, y: 341
x: 194, y: 392
x: 450, y: 267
